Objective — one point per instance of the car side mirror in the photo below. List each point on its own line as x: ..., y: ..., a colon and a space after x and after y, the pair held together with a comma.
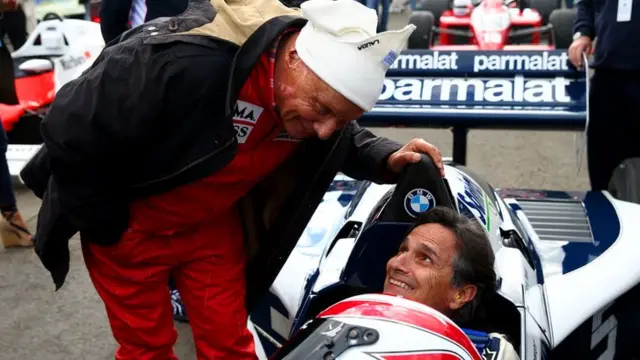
x: 36, y: 66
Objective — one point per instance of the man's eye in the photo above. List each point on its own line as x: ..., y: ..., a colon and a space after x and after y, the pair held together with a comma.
x: 322, y: 111
x: 426, y: 258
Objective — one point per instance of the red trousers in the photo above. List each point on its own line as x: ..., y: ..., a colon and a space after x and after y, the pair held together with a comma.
x: 207, y: 262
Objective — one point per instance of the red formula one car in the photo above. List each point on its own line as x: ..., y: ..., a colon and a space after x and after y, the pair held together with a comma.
x: 491, y: 25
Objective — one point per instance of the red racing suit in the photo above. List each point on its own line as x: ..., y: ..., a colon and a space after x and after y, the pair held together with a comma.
x: 193, y: 233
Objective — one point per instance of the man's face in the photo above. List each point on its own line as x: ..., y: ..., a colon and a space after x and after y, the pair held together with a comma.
x: 422, y: 269
x: 307, y: 106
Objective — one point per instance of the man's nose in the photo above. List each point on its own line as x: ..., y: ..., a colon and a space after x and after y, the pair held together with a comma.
x: 399, y: 263
x: 324, y: 129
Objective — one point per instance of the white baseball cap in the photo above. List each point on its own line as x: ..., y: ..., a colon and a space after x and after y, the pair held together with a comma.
x: 340, y: 45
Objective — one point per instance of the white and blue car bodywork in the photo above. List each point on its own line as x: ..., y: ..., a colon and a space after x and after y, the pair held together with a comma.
x: 567, y: 262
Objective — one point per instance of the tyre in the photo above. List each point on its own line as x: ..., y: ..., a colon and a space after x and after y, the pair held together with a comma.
x: 436, y: 8
x: 562, y: 21
x: 421, y: 36
x: 51, y: 16
x: 545, y: 8
x: 292, y: 3
x: 625, y: 181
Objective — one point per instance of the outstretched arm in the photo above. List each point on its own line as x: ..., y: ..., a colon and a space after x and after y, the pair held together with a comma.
x: 368, y: 156
x: 380, y: 159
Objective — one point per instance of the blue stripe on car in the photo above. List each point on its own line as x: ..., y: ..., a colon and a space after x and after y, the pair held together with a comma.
x: 605, y: 227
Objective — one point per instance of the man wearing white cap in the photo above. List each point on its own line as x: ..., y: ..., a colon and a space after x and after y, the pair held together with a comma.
x: 198, y: 147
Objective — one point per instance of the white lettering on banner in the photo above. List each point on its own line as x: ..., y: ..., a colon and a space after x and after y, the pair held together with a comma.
x: 512, y: 62
x: 495, y: 90
x: 242, y: 132
x: 246, y: 112
x: 521, y: 62
x: 432, y: 61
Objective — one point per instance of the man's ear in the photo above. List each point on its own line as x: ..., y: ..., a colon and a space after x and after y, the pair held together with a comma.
x: 461, y: 296
x: 292, y: 57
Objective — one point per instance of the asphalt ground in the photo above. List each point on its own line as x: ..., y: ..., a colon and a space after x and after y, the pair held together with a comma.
x: 37, y: 323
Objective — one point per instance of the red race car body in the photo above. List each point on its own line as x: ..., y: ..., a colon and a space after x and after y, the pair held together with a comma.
x: 491, y: 25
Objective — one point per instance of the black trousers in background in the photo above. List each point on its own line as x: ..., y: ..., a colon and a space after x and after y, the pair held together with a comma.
x: 8, y: 93
x: 7, y: 96
x: 614, y: 123
x: 14, y: 25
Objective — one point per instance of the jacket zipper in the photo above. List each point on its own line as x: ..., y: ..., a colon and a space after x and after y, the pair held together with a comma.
x: 196, y: 162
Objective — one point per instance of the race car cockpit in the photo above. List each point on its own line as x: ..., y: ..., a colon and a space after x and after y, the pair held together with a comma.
x: 419, y: 188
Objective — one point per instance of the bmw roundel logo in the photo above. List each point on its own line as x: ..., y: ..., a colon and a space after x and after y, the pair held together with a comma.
x: 418, y: 201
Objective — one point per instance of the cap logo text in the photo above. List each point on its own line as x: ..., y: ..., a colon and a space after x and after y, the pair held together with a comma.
x: 368, y: 44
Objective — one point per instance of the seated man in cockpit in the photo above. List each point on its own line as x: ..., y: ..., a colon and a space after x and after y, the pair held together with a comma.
x: 447, y: 263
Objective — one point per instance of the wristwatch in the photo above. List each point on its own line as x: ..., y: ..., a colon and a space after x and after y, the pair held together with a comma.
x: 577, y: 35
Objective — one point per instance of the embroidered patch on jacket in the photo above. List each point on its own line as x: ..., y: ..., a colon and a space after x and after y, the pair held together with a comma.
x: 246, y: 112
x: 242, y: 132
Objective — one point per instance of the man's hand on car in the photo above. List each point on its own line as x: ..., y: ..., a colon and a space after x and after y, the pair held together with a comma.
x: 410, y: 154
x: 579, y: 46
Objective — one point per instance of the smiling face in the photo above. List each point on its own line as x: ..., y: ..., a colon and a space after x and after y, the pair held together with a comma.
x: 422, y: 270
x: 307, y: 106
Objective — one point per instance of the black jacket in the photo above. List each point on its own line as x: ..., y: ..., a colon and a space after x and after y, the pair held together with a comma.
x: 114, y: 14
x: 618, y: 45
x: 154, y: 112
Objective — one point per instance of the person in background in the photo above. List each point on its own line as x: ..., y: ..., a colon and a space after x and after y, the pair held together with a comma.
x: 29, y: 9
x: 117, y: 16
x: 13, y: 23
x: 615, y: 86
x: 384, y: 15
x: 13, y: 230
x: 88, y: 9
